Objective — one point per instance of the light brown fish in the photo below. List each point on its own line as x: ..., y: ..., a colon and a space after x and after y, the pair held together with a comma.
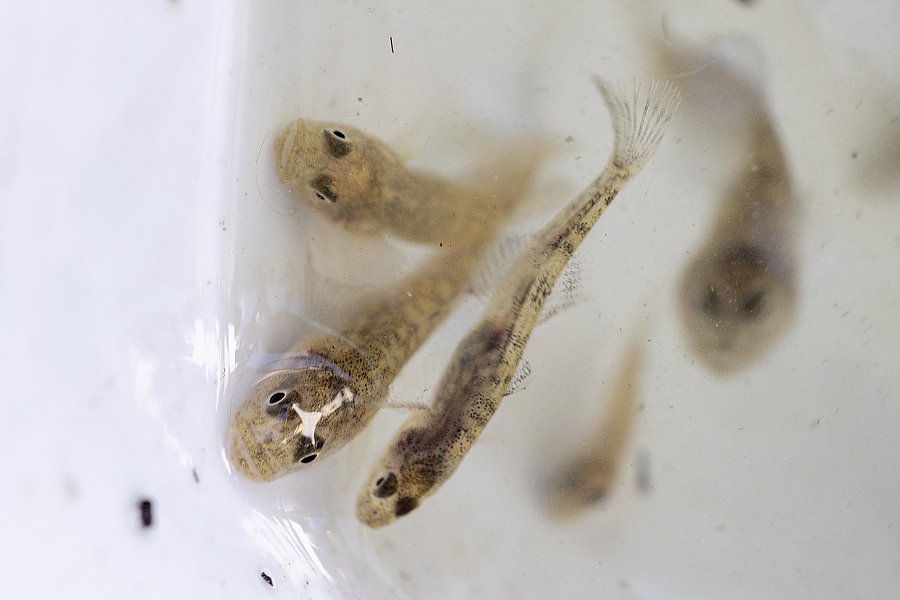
x: 738, y: 295
x: 431, y: 443
x: 588, y: 478
x: 358, y: 182
x: 320, y: 395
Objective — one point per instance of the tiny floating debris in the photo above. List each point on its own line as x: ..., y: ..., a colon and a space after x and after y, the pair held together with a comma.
x: 146, y: 508
x: 267, y: 578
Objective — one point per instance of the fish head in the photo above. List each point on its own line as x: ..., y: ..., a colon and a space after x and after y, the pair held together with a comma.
x: 397, y: 484
x: 291, y: 419
x: 735, y: 301
x: 335, y: 170
x: 584, y: 482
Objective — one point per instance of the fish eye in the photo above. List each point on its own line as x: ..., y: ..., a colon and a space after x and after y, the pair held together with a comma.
x: 323, y: 185
x: 276, y: 398
x: 337, y: 143
x: 754, y: 305
x: 309, y: 458
x: 711, y: 302
x: 386, y: 486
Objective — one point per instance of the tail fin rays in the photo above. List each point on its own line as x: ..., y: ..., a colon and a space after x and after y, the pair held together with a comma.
x: 639, y: 119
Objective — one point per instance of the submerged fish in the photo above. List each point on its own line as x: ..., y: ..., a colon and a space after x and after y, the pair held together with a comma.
x: 738, y: 295
x: 316, y: 398
x: 431, y: 443
x: 357, y: 181
x: 587, y: 479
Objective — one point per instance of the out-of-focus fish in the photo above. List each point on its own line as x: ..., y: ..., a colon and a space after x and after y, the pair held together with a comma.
x: 587, y: 479
x: 431, y: 443
x: 357, y: 181
x: 738, y: 294
x: 320, y: 395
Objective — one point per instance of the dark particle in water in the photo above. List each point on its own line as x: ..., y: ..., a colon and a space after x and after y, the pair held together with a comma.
x: 267, y: 578
x: 392, y: 45
x: 196, y: 477
x: 146, y: 508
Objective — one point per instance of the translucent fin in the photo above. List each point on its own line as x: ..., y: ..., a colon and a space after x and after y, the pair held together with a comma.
x: 520, y: 377
x: 568, y: 291
x: 417, y: 405
x: 639, y: 119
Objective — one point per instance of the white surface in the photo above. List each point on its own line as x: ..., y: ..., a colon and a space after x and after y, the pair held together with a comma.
x: 130, y: 135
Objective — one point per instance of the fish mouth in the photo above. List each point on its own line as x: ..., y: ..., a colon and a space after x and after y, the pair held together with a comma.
x: 375, y: 512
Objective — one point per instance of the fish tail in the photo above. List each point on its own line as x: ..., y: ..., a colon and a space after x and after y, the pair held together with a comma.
x: 639, y: 119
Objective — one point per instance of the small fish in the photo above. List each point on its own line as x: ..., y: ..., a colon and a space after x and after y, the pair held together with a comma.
x: 431, y: 443
x: 314, y: 399
x: 357, y: 181
x: 588, y: 478
x: 738, y: 295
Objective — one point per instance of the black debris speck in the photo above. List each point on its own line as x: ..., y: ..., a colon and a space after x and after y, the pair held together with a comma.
x: 146, y: 508
x: 196, y: 477
x: 267, y: 578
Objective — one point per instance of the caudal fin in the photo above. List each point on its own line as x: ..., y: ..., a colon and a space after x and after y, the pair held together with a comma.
x: 639, y: 119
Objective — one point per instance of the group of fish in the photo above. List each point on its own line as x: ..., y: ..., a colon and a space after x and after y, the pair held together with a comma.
x: 736, y: 296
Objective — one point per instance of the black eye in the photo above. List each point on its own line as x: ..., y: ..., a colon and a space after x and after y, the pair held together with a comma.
x: 754, y: 305
x: 324, y: 188
x: 386, y: 485
x: 711, y: 302
x: 336, y: 143
x: 309, y: 458
x: 276, y: 398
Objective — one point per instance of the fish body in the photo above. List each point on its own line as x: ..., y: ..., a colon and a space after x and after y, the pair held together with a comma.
x: 588, y: 478
x: 431, y: 444
x: 355, y: 180
x: 320, y: 395
x: 738, y: 295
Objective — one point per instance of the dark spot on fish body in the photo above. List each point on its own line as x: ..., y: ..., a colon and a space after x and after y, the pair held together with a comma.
x: 496, y: 339
x: 267, y: 578
x: 145, y: 506
x: 405, y: 505
x: 581, y: 228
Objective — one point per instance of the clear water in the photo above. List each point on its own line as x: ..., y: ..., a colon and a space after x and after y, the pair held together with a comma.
x: 779, y: 481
